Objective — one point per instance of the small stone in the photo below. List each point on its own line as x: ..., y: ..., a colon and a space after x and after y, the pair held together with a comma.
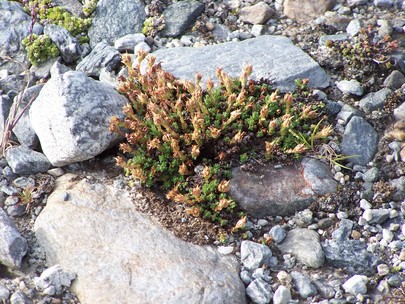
x: 387, y: 235
x: 259, y: 291
x: 356, y: 235
x: 4, y: 293
x: 23, y: 160
x: 257, y: 30
x: 13, y: 245
x: 395, y: 80
x: 364, y: 204
x: 362, y: 221
x: 262, y: 222
x: 24, y: 182
x: 325, y: 290
x: 256, y: 14
x: 325, y: 223
x: 128, y: 42
x: 353, y: 28
x: 20, y: 298
x: 142, y: 46
x: 304, y: 218
x: 385, y: 29
x: 54, y: 277
x: 56, y: 172
x: 277, y: 234
x: 254, y: 255
x: 356, y: 284
x: 350, y: 87
x: 375, y: 100
x: 371, y: 175
x: 342, y: 215
x: 225, y: 250
x: 304, y: 11
x: 9, y: 190
x: 379, y: 216
x: 395, y: 280
x: 383, y: 270
x: 246, y: 277
x: 303, y: 285
x: 360, y: 139
x: 383, y: 3
x: 282, y: 295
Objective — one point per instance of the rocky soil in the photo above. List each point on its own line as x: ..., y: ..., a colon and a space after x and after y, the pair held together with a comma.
x: 345, y: 247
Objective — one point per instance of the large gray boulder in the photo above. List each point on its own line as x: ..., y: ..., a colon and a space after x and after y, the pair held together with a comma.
x: 13, y: 246
x: 110, y: 22
x: 120, y: 255
x: 272, y: 57
x: 71, y: 116
x: 14, y: 27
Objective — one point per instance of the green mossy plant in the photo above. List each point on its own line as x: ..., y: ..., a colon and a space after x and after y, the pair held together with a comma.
x: 89, y: 7
x: 181, y: 137
x: 39, y: 48
x: 365, y: 52
x: 152, y: 25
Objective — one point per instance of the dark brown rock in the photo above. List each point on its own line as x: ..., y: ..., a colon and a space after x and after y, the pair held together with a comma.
x: 306, y: 10
x: 281, y: 191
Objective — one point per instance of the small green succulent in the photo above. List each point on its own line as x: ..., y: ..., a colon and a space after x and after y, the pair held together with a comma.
x: 39, y: 48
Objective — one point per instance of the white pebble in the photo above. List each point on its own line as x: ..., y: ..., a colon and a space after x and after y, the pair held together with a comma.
x: 393, y: 213
x: 383, y: 269
x: 225, y: 250
x: 367, y: 215
x: 387, y: 235
x: 364, y: 204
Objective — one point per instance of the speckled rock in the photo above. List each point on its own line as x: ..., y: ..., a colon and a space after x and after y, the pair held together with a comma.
x: 180, y: 15
x: 13, y: 246
x: 128, y: 251
x: 273, y: 57
x: 110, y: 22
x: 304, y: 244
x: 359, y: 141
x: 71, y: 116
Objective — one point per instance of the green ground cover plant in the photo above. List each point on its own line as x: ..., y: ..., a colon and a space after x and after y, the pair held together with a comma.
x: 183, y: 138
x: 366, y: 52
x: 41, y: 48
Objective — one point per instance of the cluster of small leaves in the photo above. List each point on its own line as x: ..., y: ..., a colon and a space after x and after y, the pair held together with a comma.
x: 365, y: 51
x: 180, y: 136
x: 89, y: 7
x: 46, y: 12
x: 39, y: 48
x: 152, y: 25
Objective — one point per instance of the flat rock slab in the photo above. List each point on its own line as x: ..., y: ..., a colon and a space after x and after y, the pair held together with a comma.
x: 271, y: 191
x: 305, y: 245
x: 122, y: 256
x: 272, y: 57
